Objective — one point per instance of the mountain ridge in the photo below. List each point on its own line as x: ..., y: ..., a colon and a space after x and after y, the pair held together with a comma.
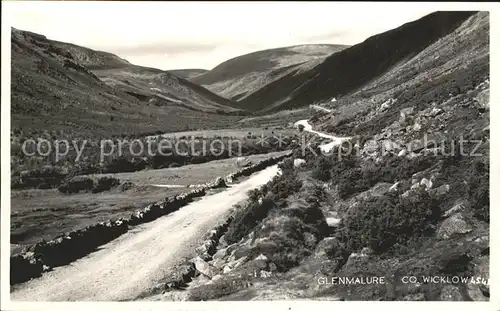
x: 376, y: 55
x: 243, y: 75
x: 78, y: 90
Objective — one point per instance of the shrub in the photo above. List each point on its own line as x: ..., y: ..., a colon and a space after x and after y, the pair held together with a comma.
x: 382, y: 222
x: 119, y: 165
x: 247, y: 218
x: 283, y: 186
x: 77, y: 184
x: 126, y: 186
x: 254, y: 195
x: 285, y: 241
x: 286, y: 166
x: 351, y: 182
x: 352, y: 179
x: 105, y: 183
x: 479, y: 191
x: 46, y: 177
x: 343, y: 162
x: 321, y: 170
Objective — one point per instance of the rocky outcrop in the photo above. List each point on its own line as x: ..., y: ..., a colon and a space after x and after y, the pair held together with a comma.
x: 456, y: 224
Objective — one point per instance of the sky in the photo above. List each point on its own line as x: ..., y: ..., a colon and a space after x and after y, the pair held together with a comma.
x: 181, y: 35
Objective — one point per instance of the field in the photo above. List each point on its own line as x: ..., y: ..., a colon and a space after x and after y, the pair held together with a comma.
x: 281, y: 118
x: 235, y: 133
x: 44, y: 214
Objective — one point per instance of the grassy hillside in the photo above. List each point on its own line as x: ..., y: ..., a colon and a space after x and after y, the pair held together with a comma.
x: 151, y: 84
x: 62, y: 87
x: 188, y: 73
x: 344, y: 72
x: 241, y: 76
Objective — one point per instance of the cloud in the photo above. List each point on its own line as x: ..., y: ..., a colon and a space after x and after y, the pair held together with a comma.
x: 332, y: 37
x: 204, y: 34
x: 163, y: 48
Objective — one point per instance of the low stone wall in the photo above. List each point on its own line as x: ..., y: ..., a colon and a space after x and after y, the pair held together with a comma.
x: 246, y: 171
x: 190, y: 269
x: 199, y: 265
x: 43, y: 256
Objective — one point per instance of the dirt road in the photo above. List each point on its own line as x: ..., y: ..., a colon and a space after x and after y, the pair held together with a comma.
x: 320, y: 108
x: 138, y: 260
x: 324, y: 147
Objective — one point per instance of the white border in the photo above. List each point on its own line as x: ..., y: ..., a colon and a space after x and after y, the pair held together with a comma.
x: 494, y: 303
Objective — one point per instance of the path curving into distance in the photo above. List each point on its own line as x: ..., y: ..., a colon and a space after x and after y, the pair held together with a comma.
x: 137, y: 261
x: 324, y: 147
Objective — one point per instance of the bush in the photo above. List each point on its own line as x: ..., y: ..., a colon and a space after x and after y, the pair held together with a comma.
x: 119, y: 165
x: 351, y: 182
x: 352, y: 179
x: 286, y: 166
x: 46, y: 177
x: 285, y: 241
x: 289, y: 234
x: 105, y: 183
x: 321, y: 170
x: 254, y: 195
x: 77, y: 184
x: 479, y: 191
x: 468, y: 178
x: 247, y: 218
x: 280, y: 187
x: 382, y: 222
x: 343, y: 162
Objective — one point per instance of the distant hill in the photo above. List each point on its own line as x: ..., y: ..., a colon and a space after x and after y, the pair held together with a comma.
x: 62, y: 86
x: 351, y: 68
x: 450, y: 72
x: 241, y: 76
x: 188, y: 73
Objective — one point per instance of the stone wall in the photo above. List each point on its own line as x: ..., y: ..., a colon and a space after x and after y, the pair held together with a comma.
x: 45, y: 255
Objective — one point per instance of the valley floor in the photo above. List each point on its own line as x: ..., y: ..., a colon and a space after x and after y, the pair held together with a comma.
x: 45, y: 214
x: 141, y: 258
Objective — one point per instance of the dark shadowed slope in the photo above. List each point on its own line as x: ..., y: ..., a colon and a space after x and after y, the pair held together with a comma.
x: 351, y: 68
x: 448, y: 72
x: 244, y: 75
x: 59, y: 86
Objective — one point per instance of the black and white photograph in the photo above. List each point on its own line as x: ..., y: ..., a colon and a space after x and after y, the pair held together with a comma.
x: 246, y: 151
